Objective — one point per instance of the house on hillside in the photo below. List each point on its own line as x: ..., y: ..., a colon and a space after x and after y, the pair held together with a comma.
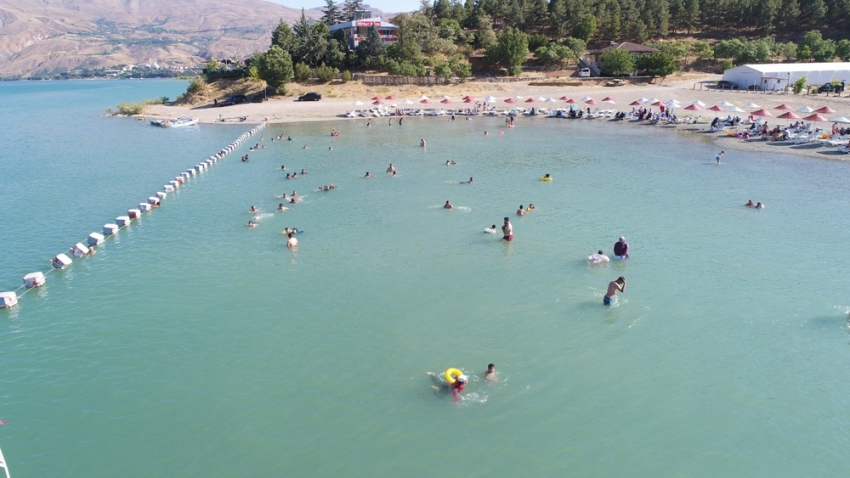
x: 778, y: 76
x: 594, y: 57
x: 357, y: 30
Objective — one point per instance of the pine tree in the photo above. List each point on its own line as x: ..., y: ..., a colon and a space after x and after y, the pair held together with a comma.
x: 351, y: 6
x: 332, y: 13
x: 557, y: 18
x: 692, y: 15
x: 817, y: 13
x: 789, y: 15
x: 282, y: 36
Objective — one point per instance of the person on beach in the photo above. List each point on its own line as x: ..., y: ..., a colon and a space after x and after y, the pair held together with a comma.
x: 719, y: 156
x: 598, y: 258
x: 621, y: 248
x: 490, y: 374
x: 391, y: 169
x: 368, y: 175
x: 448, y: 205
x: 750, y: 203
x: 614, y: 286
x: 507, y: 230
x: 520, y: 211
x: 252, y: 224
x: 291, y: 241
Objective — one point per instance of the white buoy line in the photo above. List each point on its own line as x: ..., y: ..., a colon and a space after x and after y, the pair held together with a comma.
x: 82, y: 249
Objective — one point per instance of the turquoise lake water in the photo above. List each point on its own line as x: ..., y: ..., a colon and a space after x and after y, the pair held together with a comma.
x: 191, y: 345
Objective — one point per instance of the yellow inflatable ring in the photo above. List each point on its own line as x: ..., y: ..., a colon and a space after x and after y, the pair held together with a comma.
x: 544, y: 178
x: 452, y: 374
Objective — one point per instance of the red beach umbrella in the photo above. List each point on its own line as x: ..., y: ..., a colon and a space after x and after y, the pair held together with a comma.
x: 425, y: 101
x: 592, y: 102
x: 716, y: 108
x: 377, y: 102
x: 789, y: 115
x: 658, y: 103
x: 607, y: 98
x: 376, y: 98
x: 637, y: 103
x: 783, y: 106
x: 692, y: 108
x: 564, y: 98
x: 816, y: 118
x: 391, y: 97
x: 469, y: 100
x: 571, y: 101
x: 510, y: 100
x: 761, y: 112
x: 824, y: 109
x: 445, y: 101
x: 530, y: 100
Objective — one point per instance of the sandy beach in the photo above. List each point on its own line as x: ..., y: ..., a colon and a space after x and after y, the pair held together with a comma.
x: 338, y: 99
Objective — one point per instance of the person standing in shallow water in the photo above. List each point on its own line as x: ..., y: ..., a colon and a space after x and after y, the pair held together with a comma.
x: 614, y: 286
x: 508, y: 230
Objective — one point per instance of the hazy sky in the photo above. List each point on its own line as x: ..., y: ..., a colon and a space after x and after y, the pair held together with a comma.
x: 393, y: 6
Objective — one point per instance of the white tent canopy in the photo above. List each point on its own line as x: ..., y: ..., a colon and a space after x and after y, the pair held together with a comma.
x: 778, y: 76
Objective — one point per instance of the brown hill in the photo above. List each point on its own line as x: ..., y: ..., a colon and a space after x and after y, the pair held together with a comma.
x: 59, y: 35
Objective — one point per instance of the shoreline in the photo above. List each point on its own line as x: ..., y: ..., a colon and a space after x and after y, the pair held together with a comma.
x: 338, y: 99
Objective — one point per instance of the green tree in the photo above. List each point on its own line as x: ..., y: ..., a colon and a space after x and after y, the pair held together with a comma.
x: 510, y: 51
x: 283, y: 37
x: 350, y: 7
x: 817, y: 12
x: 331, y: 15
x: 558, y: 18
x: 617, y: 62
x: 536, y: 41
x: 326, y: 74
x: 302, y: 72
x: 485, y: 37
x: 799, y: 85
x: 842, y: 50
x: 275, y: 67
x: 585, y: 28
x: 804, y: 53
x: 444, y: 71
x: 346, y: 76
x: 789, y: 14
x: 554, y: 55
x: 371, y: 49
x: 821, y: 50
x: 656, y: 64
x: 702, y: 50
x: 578, y: 46
x: 692, y: 15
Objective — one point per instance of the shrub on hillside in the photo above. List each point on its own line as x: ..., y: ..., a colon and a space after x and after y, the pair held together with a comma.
x: 302, y: 72
x: 346, y: 76
x: 326, y: 73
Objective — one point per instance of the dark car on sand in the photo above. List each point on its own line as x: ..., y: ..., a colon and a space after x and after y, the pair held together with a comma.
x: 310, y: 97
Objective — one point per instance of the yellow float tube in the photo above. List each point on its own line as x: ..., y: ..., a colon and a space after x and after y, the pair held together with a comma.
x: 452, y: 374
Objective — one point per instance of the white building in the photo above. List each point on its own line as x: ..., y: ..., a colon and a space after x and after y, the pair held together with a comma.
x: 357, y: 30
x: 778, y: 76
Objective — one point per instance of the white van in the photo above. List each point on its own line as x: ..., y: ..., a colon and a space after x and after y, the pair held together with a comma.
x: 584, y: 72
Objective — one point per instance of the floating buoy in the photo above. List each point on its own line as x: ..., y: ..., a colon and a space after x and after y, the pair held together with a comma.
x: 79, y: 250
x: 110, y: 229
x: 95, y: 239
x: 134, y: 213
x: 34, y: 279
x: 122, y: 221
x: 153, y: 201
x: 8, y: 299
x: 145, y: 207
x: 160, y: 195
x: 191, y: 171
x: 169, y: 188
x: 61, y: 261
x: 180, y: 179
x: 185, y: 176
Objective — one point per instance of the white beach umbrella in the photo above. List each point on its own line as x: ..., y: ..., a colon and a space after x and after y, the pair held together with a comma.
x: 725, y: 104
x: 423, y: 97
x: 751, y: 105
x: 698, y: 103
x: 517, y: 98
x: 357, y: 103
x: 445, y: 97
x: 551, y: 100
x: 673, y: 104
x: 734, y: 109
x: 652, y: 100
x: 490, y: 99
x: 586, y: 99
x: 840, y: 119
x: 540, y: 99
x: 641, y: 100
x: 805, y: 109
x: 407, y: 102
x: 672, y: 100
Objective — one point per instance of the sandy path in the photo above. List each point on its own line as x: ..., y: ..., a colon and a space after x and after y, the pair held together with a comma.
x: 338, y: 100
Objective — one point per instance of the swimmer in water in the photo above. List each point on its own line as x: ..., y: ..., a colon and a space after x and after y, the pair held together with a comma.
x: 507, y: 230
x: 448, y: 205
x: 280, y: 207
x: 530, y: 207
x: 291, y: 242
x: 368, y: 123
x: 292, y: 200
x: 469, y: 182
x: 253, y: 209
x: 455, y: 387
x: 759, y: 205
x: 490, y: 374
x: 330, y: 148
x: 368, y: 175
x: 614, y: 286
x: 422, y: 143
x: 598, y: 258
x: 252, y: 224
x: 547, y: 176
x: 520, y: 211
x: 750, y: 203
x: 391, y: 169
x: 282, y: 167
x: 486, y: 133
x: 305, y: 147
x: 621, y: 248
x: 294, y: 194
x: 288, y: 176
x: 303, y: 172
x: 719, y: 156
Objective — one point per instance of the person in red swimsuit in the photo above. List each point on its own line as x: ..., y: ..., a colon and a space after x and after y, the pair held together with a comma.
x: 457, y: 386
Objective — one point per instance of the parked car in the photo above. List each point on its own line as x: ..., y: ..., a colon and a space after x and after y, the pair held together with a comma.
x: 310, y: 97
x: 233, y: 100
x: 584, y: 72
x: 830, y: 88
x: 725, y: 85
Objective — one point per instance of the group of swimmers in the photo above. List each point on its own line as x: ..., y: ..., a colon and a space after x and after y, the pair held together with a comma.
x: 522, y: 211
x: 293, y: 175
x: 757, y: 205
x: 621, y: 251
x: 461, y: 381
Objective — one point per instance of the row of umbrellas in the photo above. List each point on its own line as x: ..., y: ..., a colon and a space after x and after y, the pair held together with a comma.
x: 671, y: 104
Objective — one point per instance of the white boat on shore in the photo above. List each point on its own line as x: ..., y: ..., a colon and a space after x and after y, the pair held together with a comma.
x: 3, y: 464
x: 175, y: 123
